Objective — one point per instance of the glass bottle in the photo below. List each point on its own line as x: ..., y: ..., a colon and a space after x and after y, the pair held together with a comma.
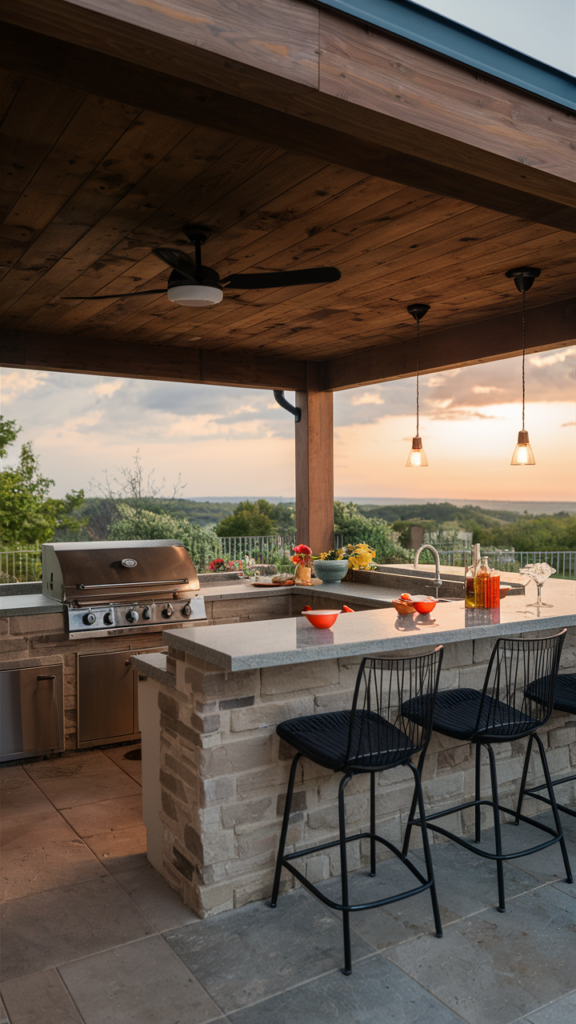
x: 494, y: 588
x: 469, y: 600
x: 482, y: 587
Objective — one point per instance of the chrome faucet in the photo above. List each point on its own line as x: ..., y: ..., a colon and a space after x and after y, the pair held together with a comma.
x: 438, y: 580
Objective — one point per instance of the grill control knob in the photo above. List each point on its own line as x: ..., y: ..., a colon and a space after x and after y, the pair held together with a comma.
x: 168, y: 611
x: 187, y: 610
x: 89, y: 619
x: 108, y: 618
x: 147, y: 612
x: 132, y: 615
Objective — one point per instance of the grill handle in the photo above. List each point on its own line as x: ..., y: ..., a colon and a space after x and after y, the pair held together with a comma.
x: 109, y: 586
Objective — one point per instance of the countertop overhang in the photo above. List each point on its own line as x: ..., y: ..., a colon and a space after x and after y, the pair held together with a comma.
x: 292, y: 641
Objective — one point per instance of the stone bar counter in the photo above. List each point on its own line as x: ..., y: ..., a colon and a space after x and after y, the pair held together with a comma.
x: 215, y: 771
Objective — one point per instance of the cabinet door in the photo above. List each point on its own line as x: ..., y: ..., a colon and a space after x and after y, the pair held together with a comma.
x: 31, y: 711
x: 105, y: 698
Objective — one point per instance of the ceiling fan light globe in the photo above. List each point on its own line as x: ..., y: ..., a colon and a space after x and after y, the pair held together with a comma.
x: 195, y: 294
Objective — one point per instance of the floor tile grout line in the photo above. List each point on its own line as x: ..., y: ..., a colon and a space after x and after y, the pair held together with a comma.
x: 74, y: 1003
x: 526, y: 1016
x: 86, y: 956
x: 121, y: 766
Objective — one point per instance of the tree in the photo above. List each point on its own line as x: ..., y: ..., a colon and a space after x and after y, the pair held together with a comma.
x: 28, y: 515
x: 249, y: 520
x: 357, y: 529
x: 142, y: 524
x: 9, y: 431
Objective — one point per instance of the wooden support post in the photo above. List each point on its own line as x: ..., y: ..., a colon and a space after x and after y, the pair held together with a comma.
x: 315, y: 464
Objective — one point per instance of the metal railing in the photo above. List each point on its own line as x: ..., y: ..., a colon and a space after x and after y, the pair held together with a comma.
x: 264, y: 549
x: 22, y: 566
x: 509, y: 560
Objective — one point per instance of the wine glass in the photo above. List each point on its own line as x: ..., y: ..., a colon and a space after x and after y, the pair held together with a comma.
x: 539, y: 572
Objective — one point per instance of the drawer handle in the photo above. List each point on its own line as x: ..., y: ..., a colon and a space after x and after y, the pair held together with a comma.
x: 38, y: 678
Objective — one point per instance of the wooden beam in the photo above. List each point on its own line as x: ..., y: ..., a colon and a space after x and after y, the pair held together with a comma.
x: 547, y: 327
x: 32, y: 350
x: 315, y: 464
x: 400, y: 112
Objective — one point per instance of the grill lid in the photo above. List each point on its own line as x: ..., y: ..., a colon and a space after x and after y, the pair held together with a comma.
x: 116, y: 570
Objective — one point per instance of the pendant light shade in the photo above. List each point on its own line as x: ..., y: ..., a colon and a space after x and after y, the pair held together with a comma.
x: 417, y: 457
x: 523, y: 454
x: 523, y: 278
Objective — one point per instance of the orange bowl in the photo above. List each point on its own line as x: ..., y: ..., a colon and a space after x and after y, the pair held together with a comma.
x: 424, y: 604
x: 403, y: 607
x: 322, y: 618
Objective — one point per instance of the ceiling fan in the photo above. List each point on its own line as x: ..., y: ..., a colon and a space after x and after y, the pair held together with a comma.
x: 193, y: 284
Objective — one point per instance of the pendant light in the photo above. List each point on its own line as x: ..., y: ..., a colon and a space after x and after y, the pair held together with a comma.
x: 417, y: 455
x: 523, y: 278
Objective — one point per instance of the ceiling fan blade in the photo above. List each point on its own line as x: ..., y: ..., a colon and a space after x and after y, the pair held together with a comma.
x: 178, y: 260
x: 285, y: 278
x: 122, y: 295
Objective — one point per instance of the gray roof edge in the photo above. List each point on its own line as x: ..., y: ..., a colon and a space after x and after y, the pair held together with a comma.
x: 435, y: 32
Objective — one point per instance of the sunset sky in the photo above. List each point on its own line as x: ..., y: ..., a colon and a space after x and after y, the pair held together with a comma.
x: 232, y: 441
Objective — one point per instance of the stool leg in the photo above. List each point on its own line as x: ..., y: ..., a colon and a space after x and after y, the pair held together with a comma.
x: 372, y: 823
x: 284, y: 832
x: 497, y: 829
x: 408, y: 833
x: 426, y: 846
x: 477, y: 818
x: 347, y: 969
x: 554, y: 806
x: 524, y: 777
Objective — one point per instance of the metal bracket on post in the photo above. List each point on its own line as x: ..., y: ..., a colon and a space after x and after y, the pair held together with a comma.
x: 296, y: 412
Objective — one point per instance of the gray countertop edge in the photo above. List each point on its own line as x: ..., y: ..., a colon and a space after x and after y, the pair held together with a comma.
x: 29, y: 604
x: 276, y: 659
x: 153, y: 666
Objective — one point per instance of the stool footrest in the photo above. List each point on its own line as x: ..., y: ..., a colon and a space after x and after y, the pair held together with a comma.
x: 535, y: 792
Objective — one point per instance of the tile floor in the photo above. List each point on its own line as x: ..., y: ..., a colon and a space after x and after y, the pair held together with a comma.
x: 93, y: 935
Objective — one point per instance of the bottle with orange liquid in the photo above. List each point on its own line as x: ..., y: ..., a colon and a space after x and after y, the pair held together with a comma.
x: 470, y: 584
x: 487, y: 586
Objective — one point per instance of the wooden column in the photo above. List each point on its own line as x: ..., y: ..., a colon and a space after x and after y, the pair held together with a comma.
x: 315, y: 464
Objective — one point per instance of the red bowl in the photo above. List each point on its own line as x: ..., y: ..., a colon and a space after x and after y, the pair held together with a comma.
x: 322, y: 618
x: 424, y: 604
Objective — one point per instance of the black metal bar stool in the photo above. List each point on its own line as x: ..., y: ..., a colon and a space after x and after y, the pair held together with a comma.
x: 564, y: 700
x: 503, y: 711
x: 374, y: 736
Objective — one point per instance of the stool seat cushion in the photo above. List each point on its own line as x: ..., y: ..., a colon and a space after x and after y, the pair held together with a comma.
x: 456, y: 714
x: 376, y: 743
x: 564, y: 694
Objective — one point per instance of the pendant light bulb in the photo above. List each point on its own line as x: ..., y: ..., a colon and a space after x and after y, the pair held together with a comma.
x: 523, y: 454
x: 523, y: 278
x: 417, y: 457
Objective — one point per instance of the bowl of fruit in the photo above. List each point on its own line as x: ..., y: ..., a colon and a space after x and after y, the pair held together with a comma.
x: 403, y: 604
x: 424, y: 604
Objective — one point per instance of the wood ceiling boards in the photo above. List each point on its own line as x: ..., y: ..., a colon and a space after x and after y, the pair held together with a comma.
x: 91, y: 185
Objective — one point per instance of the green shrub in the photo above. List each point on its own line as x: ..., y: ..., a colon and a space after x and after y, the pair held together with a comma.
x: 358, y: 529
x: 141, y: 524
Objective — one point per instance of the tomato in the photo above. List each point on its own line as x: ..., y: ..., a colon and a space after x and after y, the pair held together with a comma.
x: 345, y: 608
x: 405, y: 597
x: 306, y: 608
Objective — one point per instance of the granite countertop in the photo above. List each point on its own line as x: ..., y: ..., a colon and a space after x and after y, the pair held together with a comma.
x: 249, y: 645
x: 29, y: 604
x: 371, y: 597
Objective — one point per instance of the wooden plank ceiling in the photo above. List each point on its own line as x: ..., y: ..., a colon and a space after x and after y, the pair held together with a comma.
x: 91, y: 186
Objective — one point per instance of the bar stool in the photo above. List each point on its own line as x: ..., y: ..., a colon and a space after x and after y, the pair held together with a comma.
x: 504, y: 710
x: 373, y: 736
x: 564, y: 700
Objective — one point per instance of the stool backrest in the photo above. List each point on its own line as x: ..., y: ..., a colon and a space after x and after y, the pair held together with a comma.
x: 379, y: 731
x: 518, y: 692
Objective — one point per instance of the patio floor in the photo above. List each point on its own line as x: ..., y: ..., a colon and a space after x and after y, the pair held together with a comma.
x: 91, y: 933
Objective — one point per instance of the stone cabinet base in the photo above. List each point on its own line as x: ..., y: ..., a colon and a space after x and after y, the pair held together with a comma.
x: 224, y: 771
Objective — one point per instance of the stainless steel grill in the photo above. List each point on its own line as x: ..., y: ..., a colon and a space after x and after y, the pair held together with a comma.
x: 114, y: 587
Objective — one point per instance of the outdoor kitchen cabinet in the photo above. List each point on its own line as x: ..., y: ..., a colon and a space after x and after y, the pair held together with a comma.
x: 107, y: 698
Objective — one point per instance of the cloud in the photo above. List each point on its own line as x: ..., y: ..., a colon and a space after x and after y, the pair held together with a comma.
x: 107, y: 388
x: 552, y: 358
x: 368, y: 398
x: 18, y: 382
x: 571, y: 423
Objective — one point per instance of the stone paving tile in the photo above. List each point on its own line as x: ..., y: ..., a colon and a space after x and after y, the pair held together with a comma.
x: 245, y: 955
x: 118, y: 756
x: 140, y: 983
x: 120, y: 850
x: 71, y: 783
x: 154, y: 897
x: 40, y: 999
x: 20, y: 796
x: 42, y: 852
x: 547, y: 865
x: 93, y: 819
x: 492, y: 968
x: 3, y: 1014
x: 376, y: 992
x: 51, y: 928
x: 561, y: 1011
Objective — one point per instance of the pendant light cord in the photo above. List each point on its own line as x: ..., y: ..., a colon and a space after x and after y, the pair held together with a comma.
x: 523, y: 353
x: 418, y: 377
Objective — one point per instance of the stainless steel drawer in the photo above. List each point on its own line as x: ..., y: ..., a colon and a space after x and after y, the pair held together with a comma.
x: 31, y: 712
x: 107, y: 709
